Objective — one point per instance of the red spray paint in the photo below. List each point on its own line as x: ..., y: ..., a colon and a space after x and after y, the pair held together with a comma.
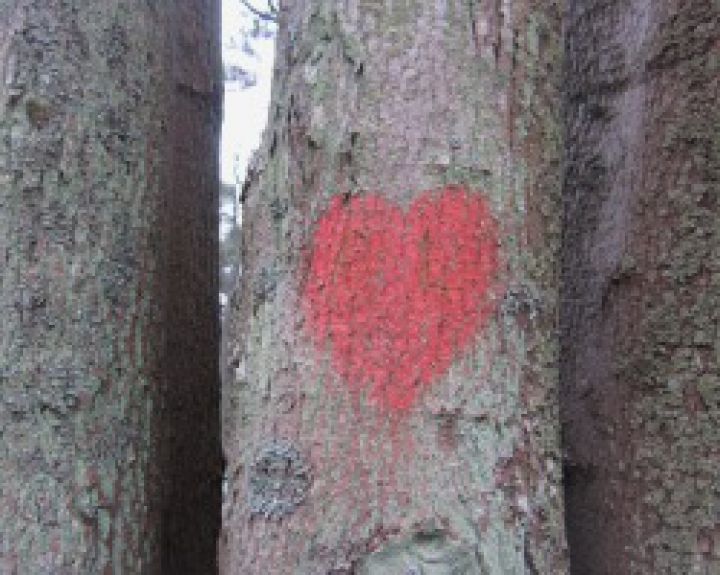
x: 397, y: 295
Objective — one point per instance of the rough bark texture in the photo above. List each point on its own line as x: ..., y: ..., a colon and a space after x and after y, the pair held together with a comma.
x: 641, y: 352
x: 377, y: 107
x: 108, y: 341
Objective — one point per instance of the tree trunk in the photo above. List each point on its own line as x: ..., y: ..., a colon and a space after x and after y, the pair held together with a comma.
x: 641, y: 373
x: 390, y: 391
x: 108, y: 341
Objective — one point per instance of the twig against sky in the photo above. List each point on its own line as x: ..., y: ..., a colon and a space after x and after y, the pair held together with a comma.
x: 269, y: 15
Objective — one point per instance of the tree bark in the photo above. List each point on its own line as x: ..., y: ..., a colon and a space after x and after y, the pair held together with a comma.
x: 390, y: 362
x: 640, y: 371
x: 108, y: 342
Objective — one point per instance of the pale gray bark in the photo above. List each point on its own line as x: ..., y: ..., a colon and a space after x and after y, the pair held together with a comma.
x: 108, y: 218
x: 394, y: 98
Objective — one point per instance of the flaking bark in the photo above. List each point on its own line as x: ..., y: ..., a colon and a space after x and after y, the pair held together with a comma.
x: 108, y: 340
x: 387, y: 101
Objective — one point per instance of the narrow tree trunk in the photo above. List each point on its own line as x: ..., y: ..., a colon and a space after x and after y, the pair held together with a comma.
x: 641, y: 369
x: 391, y: 357
x: 108, y: 208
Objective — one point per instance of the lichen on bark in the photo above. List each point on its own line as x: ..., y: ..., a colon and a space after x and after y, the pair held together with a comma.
x: 640, y: 368
x: 89, y: 413
x: 394, y: 100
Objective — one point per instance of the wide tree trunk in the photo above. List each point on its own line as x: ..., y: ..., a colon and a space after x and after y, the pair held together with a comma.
x: 390, y: 391
x: 641, y: 351
x: 108, y: 340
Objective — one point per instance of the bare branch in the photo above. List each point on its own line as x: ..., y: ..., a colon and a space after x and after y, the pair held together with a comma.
x: 268, y: 16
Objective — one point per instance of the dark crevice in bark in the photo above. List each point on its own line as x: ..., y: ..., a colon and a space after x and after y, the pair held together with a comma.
x: 639, y: 245
x: 109, y: 389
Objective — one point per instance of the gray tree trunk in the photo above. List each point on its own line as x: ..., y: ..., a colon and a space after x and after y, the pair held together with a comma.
x: 109, y: 113
x: 641, y: 350
x: 390, y: 391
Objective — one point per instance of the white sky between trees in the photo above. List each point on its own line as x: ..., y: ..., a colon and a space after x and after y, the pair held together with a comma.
x: 245, y: 112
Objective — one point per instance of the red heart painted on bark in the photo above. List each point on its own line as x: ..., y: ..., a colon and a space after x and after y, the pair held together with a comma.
x: 397, y: 295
